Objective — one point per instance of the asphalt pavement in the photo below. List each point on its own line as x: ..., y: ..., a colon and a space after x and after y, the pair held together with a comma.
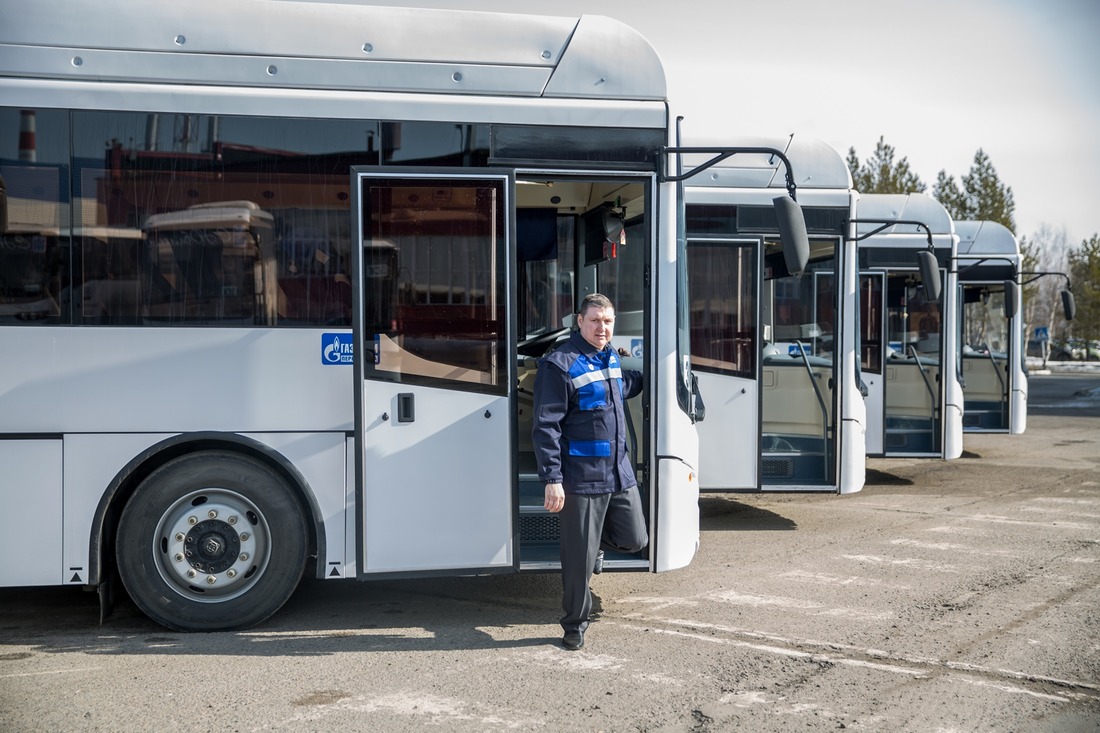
x: 946, y: 596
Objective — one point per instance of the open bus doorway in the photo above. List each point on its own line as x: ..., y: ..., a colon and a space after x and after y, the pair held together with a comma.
x: 569, y: 245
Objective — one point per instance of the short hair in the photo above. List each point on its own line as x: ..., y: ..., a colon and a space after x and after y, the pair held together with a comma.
x: 594, y: 300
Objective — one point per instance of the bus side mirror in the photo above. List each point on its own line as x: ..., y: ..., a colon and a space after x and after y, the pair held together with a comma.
x: 612, y: 225
x: 929, y: 275
x: 1012, y: 298
x: 792, y: 233
x: 603, y: 232
x: 1069, y: 306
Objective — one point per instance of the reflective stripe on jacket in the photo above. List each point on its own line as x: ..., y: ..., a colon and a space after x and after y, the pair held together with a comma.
x: 579, y: 428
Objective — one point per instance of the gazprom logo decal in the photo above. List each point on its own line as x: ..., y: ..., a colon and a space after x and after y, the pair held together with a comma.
x: 337, y: 348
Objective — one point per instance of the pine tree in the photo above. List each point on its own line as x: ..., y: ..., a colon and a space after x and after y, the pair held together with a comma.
x: 987, y: 198
x: 1084, y: 265
x: 948, y: 193
x: 880, y: 174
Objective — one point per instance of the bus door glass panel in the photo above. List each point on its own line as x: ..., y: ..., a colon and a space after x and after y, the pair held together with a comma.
x: 797, y: 378
x: 621, y: 279
x: 545, y: 256
x: 912, y: 396
x: 724, y: 282
x: 436, y: 464
x: 872, y: 353
x: 985, y: 350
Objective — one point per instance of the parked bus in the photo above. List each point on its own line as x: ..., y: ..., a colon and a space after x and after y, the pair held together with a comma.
x: 991, y: 329
x: 775, y: 350
x: 343, y: 244
x: 908, y: 350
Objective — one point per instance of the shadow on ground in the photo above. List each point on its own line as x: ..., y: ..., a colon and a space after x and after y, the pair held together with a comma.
x: 717, y: 513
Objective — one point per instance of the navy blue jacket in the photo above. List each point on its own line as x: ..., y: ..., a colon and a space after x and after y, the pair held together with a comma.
x: 579, y: 428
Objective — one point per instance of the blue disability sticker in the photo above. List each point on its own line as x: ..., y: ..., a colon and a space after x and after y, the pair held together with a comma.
x: 336, y: 348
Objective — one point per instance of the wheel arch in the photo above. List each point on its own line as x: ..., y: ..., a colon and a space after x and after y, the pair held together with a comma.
x: 104, y: 526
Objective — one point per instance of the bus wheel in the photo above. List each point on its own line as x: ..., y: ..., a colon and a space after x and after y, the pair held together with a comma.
x: 211, y: 541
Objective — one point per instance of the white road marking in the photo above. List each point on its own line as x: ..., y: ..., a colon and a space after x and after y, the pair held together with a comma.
x: 916, y: 667
x: 1026, y: 523
x: 51, y: 671
x: 429, y: 709
x: 951, y: 547
x: 841, y: 580
x: 911, y: 562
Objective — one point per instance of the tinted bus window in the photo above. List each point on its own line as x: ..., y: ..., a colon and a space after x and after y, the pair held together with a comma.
x: 200, y: 219
x: 35, y: 274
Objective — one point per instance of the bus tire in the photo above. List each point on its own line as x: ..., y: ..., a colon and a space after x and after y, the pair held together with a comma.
x: 212, y: 541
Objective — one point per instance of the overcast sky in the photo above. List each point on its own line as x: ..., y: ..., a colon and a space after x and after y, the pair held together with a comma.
x: 939, y: 79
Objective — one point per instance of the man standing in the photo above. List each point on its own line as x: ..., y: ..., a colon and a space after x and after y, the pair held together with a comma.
x: 579, y: 435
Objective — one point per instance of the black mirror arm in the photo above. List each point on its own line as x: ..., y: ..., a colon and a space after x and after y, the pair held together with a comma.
x: 886, y: 224
x: 1033, y: 276
x: 718, y: 155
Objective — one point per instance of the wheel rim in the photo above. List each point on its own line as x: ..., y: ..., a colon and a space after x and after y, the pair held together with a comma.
x: 212, y: 545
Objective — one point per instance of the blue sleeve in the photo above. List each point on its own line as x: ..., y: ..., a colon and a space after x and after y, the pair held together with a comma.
x: 632, y: 383
x: 551, y: 405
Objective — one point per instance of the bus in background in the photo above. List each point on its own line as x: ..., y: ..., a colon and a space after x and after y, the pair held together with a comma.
x: 908, y: 350
x: 775, y: 351
x: 342, y: 256
x: 991, y: 328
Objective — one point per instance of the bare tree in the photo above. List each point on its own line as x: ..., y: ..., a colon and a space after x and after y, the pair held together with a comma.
x: 1047, y: 250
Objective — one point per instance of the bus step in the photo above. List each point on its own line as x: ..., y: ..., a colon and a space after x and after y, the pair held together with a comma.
x: 538, y: 527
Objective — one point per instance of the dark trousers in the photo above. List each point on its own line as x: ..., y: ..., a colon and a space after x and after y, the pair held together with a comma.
x: 587, y: 522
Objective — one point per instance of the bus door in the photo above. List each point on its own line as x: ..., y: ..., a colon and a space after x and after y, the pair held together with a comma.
x: 724, y: 277
x: 435, y: 369
x: 986, y: 356
x: 799, y: 377
x: 912, y: 369
x: 872, y: 349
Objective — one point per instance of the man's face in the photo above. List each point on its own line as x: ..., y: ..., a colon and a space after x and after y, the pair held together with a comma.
x: 597, y: 326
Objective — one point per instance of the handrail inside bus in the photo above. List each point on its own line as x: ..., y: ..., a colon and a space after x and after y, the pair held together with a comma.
x: 1000, y: 378
x: 820, y: 403
x: 924, y: 375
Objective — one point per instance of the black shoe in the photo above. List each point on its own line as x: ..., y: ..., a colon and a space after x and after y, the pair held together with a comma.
x: 573, y: 640
x: 597, y: 567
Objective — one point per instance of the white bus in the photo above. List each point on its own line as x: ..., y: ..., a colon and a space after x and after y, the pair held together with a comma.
x: 909, y: 341
x: 991, y: 329
x: 774, y: 350
x: 347, y: 239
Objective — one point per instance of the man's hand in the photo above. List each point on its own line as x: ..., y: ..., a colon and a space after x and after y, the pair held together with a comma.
x: 555, y: 497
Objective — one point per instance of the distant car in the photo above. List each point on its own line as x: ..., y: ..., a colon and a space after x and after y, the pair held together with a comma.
x: 1058, y: 351
x: 1083, y: 351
